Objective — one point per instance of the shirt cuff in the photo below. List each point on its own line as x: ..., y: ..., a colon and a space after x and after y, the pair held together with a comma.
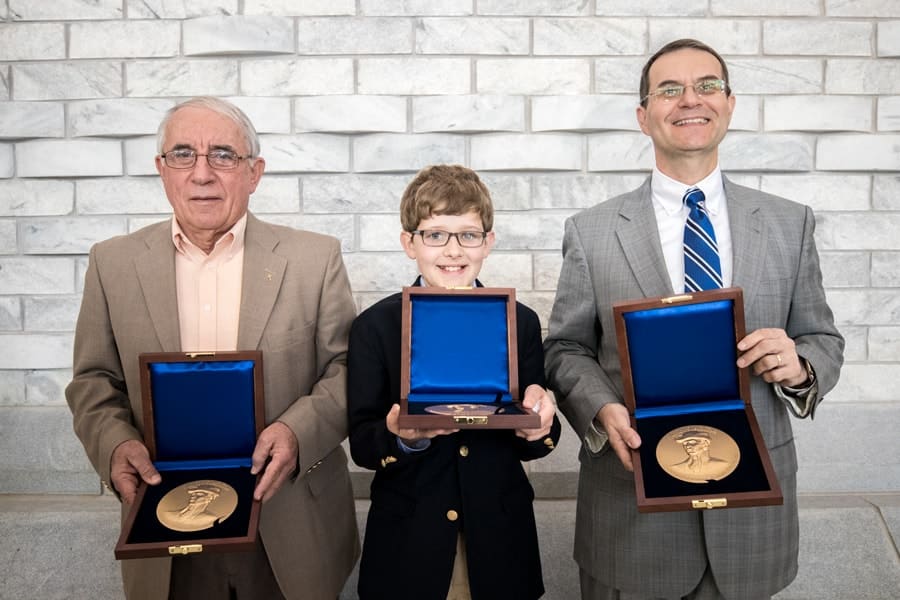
x: 417, y: 446
x: 801, y: 401
x: 595, y: 438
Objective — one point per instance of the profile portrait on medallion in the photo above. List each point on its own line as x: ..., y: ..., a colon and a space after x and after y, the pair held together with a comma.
x: 196, y: 505
x: 698, y: 454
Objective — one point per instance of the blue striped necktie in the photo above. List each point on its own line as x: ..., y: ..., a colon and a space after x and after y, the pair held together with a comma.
x: 701, y: 253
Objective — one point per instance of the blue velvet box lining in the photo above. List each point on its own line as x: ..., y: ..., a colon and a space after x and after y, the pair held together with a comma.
x: 459, y: 350
x: 203, y: 414
x: 682, y: 354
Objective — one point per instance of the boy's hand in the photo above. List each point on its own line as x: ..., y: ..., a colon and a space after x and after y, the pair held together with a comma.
x: 411, y: 436
x: 538, y: 400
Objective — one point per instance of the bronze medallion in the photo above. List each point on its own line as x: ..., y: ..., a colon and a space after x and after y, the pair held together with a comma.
x: 197, y: 505
x: 462, y: 410
x: 698, y: 454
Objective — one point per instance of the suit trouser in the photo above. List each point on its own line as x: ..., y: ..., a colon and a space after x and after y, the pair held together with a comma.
x: 224, y: 576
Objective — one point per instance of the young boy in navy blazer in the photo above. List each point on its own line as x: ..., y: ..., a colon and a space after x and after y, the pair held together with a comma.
x: 451, y: 511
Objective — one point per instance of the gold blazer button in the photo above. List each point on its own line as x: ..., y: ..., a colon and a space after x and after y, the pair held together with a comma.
x: 463, y: 451
x: 452, y: 515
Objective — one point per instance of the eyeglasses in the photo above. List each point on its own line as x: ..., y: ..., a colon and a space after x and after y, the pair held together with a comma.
x: 185, y: 158
x: 707, y: 87
x: 436, y: 237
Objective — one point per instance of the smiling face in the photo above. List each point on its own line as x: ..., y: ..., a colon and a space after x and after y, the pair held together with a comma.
x: 450, y: 265
x: 207, y: 202
x: 687, y: 130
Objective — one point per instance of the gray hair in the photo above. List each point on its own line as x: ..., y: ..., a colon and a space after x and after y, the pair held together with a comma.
x: 224, y: 108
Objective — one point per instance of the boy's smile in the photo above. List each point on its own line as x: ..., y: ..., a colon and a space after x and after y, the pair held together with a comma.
x: 451, y: 265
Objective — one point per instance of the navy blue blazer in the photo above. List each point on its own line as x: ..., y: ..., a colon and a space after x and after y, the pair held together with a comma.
x: 410, y: 541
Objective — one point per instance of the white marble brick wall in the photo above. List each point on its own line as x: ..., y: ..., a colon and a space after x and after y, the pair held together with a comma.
x: 351, y: 97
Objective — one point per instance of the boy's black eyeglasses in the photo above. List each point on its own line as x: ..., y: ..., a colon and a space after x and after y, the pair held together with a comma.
x: 185, y: 158
x: 437, y: 237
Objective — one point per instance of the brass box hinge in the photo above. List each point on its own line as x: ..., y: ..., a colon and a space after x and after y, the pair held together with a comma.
x: 675, y: 299
x: 186, y: 549
x: 710, y: 503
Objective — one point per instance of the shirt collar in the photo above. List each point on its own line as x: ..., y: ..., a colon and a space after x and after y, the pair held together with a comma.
x: 668, y: 193
x: 232, y: 242
x: 420, y: 282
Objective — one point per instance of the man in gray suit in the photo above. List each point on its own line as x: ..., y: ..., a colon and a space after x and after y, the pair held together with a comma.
x: 213, y: 278
x: 631, y: 247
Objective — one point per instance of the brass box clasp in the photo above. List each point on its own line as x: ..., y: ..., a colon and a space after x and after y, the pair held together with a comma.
x: 710, y: 503
x: 186, y: 549
x: 471, y: 420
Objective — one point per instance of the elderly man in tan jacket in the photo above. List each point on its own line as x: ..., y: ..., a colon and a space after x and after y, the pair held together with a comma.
x: 214, y: 277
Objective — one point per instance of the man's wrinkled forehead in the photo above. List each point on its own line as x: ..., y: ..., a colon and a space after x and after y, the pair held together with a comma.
x: 193, y: 127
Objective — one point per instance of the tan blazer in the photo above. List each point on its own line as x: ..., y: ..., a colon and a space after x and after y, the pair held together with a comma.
x: 296, y: 307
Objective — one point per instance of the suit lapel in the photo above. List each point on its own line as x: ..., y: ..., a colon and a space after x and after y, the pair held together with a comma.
x: 262, y: 276
x: 748, y: 238
x: 637, y: 234
x: 156, y: 273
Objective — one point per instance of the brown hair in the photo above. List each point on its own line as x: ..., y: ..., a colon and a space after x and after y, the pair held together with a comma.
x: 445, y: 190
x: 672, y: 47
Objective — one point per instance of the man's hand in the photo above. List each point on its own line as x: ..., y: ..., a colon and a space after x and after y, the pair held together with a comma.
x: 277, y: 444
x: 623, y: 439
x: 411, y: 436
x: 773, y: 356
x: 538, y: 400
x: 130, y: 464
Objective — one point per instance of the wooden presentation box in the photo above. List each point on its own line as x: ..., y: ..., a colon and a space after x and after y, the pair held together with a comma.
x: 701, y: 446
x: 202, y: 415
x: 459, y: 360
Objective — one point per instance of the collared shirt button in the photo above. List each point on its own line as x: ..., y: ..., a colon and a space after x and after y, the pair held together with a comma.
x: 464, y: 451
x: 452, y: 515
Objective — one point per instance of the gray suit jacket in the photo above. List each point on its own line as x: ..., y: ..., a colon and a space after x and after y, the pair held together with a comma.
x: 296, y: 306
x: 612, y: 252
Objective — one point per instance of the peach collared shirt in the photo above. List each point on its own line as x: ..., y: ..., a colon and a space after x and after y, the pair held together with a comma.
x: 208, y: 288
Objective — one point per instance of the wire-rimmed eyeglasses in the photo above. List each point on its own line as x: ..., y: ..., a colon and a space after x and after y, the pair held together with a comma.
x: 438, y: 237
x: 704, y: 87
x: 186, y: 158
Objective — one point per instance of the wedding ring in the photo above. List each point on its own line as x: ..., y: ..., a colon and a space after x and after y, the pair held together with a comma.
x: 778, y: 356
